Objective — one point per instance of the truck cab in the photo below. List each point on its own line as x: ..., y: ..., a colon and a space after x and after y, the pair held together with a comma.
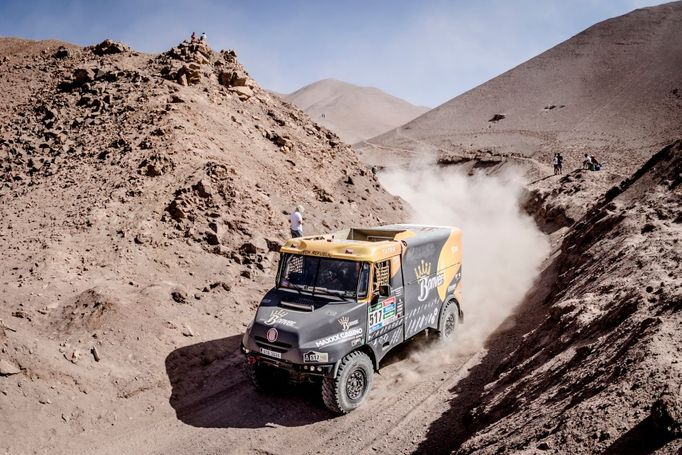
x: 342, y: 301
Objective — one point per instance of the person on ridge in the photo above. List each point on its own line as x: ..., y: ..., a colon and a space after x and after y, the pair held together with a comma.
x: 202, y: 38
x: 587, y: 162
x: 561, y: 163
x: 556, y: 164
x: 297, y: 222
x: 193, y: 38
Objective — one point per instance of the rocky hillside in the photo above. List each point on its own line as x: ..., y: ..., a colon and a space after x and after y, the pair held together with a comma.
x: 354, y: 113
x: 614, y: 90
x: 143, y: 199
x: 592, y: 360
x: 604, y: 369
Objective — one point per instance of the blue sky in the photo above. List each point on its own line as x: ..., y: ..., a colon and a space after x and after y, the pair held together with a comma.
x: 424, y: 51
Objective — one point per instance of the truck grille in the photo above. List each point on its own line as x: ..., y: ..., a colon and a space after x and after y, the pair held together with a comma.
x: 276, y: 346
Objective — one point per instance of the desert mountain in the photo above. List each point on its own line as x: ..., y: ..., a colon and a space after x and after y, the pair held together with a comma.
x: 142, y: 202
x: 614, y: 90
x: 354, y: 113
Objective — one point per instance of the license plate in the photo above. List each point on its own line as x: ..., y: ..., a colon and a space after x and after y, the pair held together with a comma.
x: 270, y: 353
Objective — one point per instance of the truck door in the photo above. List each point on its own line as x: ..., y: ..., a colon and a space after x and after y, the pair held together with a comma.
x: 386, y: 311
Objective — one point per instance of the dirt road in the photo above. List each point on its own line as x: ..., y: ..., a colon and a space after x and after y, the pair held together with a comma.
x: 222, y: 413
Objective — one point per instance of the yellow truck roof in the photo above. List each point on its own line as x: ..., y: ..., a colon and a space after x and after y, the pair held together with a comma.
x: 365, y: 244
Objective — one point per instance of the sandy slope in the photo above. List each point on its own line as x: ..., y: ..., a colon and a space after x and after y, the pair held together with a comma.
x: 138, y: 216
x: 614, y: 88
x: 354, y: 113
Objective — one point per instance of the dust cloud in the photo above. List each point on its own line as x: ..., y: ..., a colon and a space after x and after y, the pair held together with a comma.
x: 502, y: 248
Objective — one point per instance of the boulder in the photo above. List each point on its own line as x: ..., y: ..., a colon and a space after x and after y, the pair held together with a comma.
x: 254, y: 246
x: 179, y: 295
x: 244, y: 93
x: 83, y: 75
x: 109, y: 47
x: 234, y: 79
x: 203, y: 188
x: 666, y: 413
x: 8, y: 369
x: 62, y: 52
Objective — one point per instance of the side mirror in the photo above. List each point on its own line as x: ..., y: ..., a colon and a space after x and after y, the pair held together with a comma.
x: 384, y: 290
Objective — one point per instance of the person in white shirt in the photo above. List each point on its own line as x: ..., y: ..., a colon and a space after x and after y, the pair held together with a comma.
x: 297, y: 222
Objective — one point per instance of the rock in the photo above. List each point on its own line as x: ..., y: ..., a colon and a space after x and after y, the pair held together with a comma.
x: 211, y: 238
x: 8, y: 369
x: 61, y: 52
x: 72, y: 357
x: 234, y: 79
x: 95, y: 354
x: 175, y: 211
x: 497, y: 117
x: 176, y: 99
x: 254, y: 246
x: 187, y: 331
x: 666, y: 413
x: 203, y: 188
x: 179, y: 295
x: 83, y: 75
x: 21, y: 314
x: 244, y: 93
x: 108, y: 46
x: 273, y: 245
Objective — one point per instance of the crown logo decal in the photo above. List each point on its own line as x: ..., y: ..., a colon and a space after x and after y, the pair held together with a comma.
x: 423, y: 269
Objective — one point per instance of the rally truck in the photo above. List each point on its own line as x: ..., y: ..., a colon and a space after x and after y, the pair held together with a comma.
x: 343, y: 300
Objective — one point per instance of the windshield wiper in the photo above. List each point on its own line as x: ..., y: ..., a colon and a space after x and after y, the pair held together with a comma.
x: 334, y: 292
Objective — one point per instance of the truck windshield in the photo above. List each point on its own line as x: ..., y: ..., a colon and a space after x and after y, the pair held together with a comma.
x: 324, y: 276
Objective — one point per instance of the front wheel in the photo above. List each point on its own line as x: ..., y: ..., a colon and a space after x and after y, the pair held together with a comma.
x: 260, y: 377
x: 448, y: 321
x: 349, y: 388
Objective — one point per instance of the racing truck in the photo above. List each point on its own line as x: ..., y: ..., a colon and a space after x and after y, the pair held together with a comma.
x: 343, y: 300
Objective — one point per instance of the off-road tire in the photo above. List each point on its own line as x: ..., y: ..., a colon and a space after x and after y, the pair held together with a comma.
x: 351, y: 385
x: 447, y: 325
x: 260, y: 377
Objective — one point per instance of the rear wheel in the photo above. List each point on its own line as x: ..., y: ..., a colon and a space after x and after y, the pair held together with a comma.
x: 447, y: 326
x: 349, y: 388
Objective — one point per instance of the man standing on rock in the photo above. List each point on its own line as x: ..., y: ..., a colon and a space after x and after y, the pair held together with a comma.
x: 297, y: 222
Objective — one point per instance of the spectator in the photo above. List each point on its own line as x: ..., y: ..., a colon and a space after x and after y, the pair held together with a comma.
x: 297, y: 222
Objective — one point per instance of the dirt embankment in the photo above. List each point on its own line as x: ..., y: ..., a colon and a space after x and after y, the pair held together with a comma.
x: 591, y: 362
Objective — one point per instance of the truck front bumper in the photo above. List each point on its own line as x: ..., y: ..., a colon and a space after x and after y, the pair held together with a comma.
x: 295, y: 372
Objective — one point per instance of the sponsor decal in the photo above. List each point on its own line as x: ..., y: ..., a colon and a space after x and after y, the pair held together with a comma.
x: 389, y: 310
x: 339, y: 337
x: 270, y: 353
x: 427, y: 282
x: 389, y: 250
x: 346, y: 323
x: 272, y: 335
x: 314, y: 356
x: 277, y: 317
x: 383, y: 314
